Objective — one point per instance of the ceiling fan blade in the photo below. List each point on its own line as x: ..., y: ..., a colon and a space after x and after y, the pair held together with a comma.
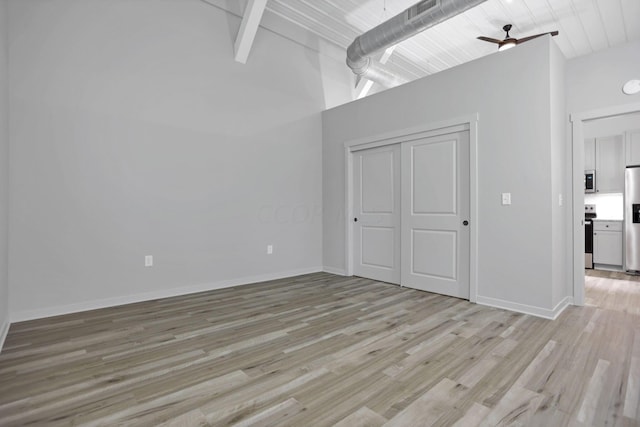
x: 489, y: 39
x: 526, y: 39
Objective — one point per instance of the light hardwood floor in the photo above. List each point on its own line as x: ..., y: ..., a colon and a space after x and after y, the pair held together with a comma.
x: 320, y: 350
x: 612, y: 275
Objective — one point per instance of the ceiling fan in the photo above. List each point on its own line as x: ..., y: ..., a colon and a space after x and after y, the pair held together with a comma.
x: 509, y: 41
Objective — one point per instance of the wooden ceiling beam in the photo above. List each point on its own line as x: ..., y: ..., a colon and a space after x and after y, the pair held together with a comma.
x: 248, y: 29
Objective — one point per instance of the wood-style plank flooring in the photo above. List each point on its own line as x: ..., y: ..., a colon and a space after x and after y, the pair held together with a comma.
x: 619, y: 275
x: 319, y: 350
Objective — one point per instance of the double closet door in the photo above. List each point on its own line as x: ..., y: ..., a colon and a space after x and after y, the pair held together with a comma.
x: 411, y: 212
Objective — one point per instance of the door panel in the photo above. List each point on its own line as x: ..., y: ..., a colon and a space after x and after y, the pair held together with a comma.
x: 378, y: 246
x: 435, y: 202
x: 434, y: 254
x: 376, y: 185
x: 434, y: 180
x: 377, y: 182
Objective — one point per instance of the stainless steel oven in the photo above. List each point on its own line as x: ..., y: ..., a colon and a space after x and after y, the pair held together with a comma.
x: 588, y: 243
x: 589, y: 215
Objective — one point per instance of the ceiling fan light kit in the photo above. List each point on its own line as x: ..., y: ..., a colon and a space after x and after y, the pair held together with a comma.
x: 508, y: 44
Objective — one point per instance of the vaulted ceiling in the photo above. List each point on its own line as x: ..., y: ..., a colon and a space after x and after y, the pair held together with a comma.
x: 585, y: 26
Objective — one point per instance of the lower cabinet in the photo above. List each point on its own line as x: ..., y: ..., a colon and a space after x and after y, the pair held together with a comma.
x: 607, y: 243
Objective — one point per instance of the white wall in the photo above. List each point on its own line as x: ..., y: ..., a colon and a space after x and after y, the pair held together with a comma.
x: 511, y: 92
x: 560, y: 177
x: 609, y: 126
x: 595, y: 81
x: 134, y: 132
x: 4, y: 176
x: 337, y: 78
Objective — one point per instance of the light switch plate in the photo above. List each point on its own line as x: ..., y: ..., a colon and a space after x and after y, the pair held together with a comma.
x: 506, y: 199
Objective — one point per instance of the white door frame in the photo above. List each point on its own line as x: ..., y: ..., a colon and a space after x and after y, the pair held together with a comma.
x: 470, y: 123
x: 577, y: 142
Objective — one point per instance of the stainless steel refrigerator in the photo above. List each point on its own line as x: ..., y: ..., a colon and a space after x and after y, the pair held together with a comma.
x: 632, y: 218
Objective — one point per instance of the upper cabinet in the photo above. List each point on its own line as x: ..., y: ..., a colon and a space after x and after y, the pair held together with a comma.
x: 610, y: 164
x: 632, y: 147
x: 590, y: 154
x: 607, y: 157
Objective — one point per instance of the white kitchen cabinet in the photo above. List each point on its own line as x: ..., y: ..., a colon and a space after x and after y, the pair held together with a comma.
x: 589, y: 154
x: 607, y: 243
x: 632, y: 147
x: 610, y: 164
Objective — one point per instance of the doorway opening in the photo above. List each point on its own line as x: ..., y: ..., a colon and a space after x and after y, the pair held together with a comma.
x: 578, y: 123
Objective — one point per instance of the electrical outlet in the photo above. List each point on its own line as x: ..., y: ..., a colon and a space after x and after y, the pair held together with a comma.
x: 148, y: 260
x: 269, y: 249
x: 506, y: 198
x: 560, y: 200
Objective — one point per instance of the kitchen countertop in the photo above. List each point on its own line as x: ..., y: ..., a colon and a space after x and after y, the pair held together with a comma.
x: 607, y: 219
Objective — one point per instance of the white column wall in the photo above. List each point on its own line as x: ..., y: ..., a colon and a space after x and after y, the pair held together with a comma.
x: 511, y: 93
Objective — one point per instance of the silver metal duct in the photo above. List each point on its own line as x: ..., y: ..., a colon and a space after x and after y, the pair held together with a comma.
x: 417, y: 18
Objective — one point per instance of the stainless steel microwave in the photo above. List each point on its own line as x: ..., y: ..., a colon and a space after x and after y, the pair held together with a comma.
x: 590, y: 181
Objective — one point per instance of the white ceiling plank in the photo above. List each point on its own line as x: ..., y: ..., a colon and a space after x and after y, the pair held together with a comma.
x: 329, y: 17
x: 426, y: 52
x: 495, y: 15
x: 631, y: 12
x: 480, y: 20
x: 521, y: 18
x: 567, y: 40
x: 518, y: 24
x: 298, y: 16
x: 571, y: 30
x: 458, y: 35
x: 613, y: 21
x: 593, y: 27
x: 473, y: 25
x: 248, y: 29
x: 574, y: 32
x: 583, y: 27
x: 538, y: 11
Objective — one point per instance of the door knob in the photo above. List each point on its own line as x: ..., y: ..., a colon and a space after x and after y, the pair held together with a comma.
x: 355, y: 219
x: 465, y: 222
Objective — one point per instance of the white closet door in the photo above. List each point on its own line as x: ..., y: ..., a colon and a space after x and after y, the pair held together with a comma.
x: 435, y: 206
x: 376, y: 227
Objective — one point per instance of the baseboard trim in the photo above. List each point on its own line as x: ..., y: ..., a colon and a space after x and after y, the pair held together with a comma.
x: 336, y: 271
x: 559, y: 308
x: 545, y: 313
x: 3, y: 334
x: 21, y: 316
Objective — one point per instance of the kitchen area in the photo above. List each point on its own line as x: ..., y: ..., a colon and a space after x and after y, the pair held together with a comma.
x: 612, y: 194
